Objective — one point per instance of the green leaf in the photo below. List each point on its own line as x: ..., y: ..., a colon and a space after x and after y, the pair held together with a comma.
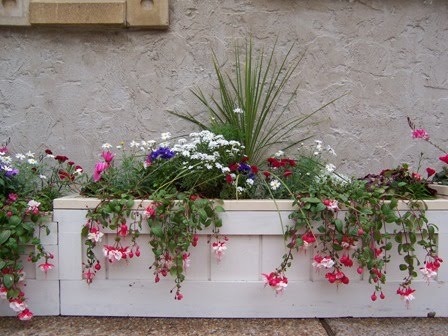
x: 8, y: 280
x: 398, y: 238
x: 219, y: 209
x: 337, y: 247
x: 2, y: 264
x: 14, y: 220
x: 320, y: 207
x: 339, y: 225
x: 4, y: 236
x: 157, y: 231
x: 311, y: 200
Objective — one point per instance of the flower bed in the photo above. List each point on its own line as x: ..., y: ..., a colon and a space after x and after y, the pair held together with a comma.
x: 234, y: 286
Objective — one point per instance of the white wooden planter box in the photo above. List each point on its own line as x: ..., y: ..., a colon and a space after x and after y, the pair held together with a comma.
x: 442, y: 190
x: 234, y: 287
x: 41, y: 290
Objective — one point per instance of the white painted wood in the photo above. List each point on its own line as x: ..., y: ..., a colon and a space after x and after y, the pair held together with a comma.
x: 241, y: 260
x: 234, y: 287
x: 42, y: 298
x: 242, y: 299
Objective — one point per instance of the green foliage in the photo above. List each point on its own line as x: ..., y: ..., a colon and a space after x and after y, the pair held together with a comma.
x: 251, y: 107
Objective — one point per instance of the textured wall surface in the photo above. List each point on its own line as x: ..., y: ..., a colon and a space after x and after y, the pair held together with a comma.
x: 72, y: 90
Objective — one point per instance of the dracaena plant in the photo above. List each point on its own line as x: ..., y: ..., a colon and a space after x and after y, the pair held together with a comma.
x: 252, y: 106
x: 28, y: 184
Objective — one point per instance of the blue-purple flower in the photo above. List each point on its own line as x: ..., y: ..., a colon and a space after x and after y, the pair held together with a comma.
x: 162, y: 152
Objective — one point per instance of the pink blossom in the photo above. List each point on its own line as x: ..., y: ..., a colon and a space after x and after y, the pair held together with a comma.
x: 3, y: 292
x: 12, y: 197
x: 406, y: 293
x: 45, y: 267
x: 322, y: 262
x: 95, y: 235
x: 100, y: 167
x: 17, y: 305
x: 150, y: 211
x: 25, y: 315
x: 89, y: 275
x: 195, y: 240
x: 124, y: 230
x: 346, y: 261
x: 308, y: 239
x: 444, y: 158
x: 337, y: 277
x: 33, y: 206
x: 108, y: 156
x: 276, y: 281
x: 219, y: 247
x: 186, y: 261
x: 115, y: 253
x: 430, y: 171
x: 420, y: 134
x: 331, y: 205
x: 178, y: 296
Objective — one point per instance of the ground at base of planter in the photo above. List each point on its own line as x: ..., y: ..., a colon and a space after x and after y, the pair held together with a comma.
x: 108, y: 326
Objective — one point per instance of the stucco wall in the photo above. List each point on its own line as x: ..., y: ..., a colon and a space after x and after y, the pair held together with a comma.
x: 72, y: 90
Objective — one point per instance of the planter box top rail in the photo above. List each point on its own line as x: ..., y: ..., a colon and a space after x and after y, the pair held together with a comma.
x: 79, y: 202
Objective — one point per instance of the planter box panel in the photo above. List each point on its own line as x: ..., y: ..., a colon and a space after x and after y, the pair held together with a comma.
x: 242, y: 299
x: 273, y: 248
x: 241, y: 261
x: 234, y: 287
x: 135, y: 268
x: 42, y: 298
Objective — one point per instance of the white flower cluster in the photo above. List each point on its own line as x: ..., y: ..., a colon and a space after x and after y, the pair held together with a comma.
x: 204, y: 149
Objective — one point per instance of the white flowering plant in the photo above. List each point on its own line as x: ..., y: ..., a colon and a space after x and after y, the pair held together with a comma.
x: 28, y: 183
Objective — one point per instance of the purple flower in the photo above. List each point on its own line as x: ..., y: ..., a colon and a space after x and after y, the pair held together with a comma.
x: 12, y: 172
x: 162, y: 152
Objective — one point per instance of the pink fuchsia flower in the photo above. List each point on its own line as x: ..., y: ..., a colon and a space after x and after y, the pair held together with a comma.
x: 322, y: 262
x: 108, y: 156
x: 444, y: 158
x: 33, y: 207
x: 95, y: 235
x: 100, y: 167
x: 195, y: 240
x: 276, y: 281
x: 123, y: 230
x: 416, y: 176
x: 186, y: 261
x: 331, y: 205
x: 420, y: 134
x: 17, y: 305
x: 114, y: 254
x: 4, y: 150
x: 45, y: 267
x: 337, y: 277
x: 429, y: 271
x: 12, y: 197
x: 150, y: 211
x: 89, y: 275
x: 308, y: 239
x: 219, y: 247
x: 178, y: 296
x: 430, y: 171
x: 346, y: 261
x: 406, y: 293
x: 25, y: 315
x: 3, y: 292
